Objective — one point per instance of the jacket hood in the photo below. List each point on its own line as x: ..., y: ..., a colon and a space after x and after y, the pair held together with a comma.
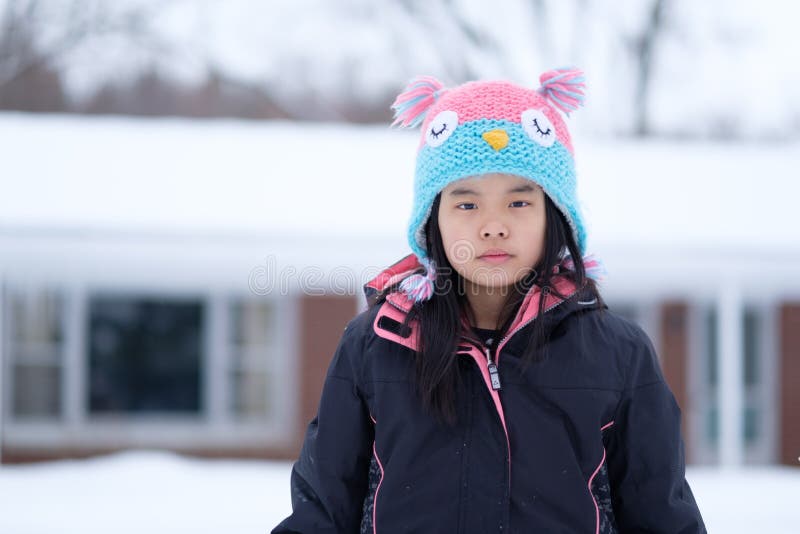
x: 397, y: 304
x: 390, y: 276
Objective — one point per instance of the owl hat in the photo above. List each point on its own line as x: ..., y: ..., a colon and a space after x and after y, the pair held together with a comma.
x: 484, y: 127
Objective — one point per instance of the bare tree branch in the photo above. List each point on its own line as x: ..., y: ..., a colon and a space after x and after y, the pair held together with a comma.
x: 644, y: 51
x: 20, y: 54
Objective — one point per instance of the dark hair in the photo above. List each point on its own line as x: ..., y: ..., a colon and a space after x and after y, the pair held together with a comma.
x: 436, y: 377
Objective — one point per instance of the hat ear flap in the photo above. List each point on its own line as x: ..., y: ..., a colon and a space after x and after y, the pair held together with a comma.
x: 564, y: 88
x: 411, y: 106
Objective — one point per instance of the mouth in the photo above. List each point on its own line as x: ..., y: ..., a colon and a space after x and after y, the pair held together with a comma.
x: 495, y: 256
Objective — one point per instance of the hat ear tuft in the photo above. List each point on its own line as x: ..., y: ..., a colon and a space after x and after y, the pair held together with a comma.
x: 411, y: 106
x: 564, y: 88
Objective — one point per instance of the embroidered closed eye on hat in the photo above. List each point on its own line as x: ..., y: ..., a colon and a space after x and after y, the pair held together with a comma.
x: 484, y: 127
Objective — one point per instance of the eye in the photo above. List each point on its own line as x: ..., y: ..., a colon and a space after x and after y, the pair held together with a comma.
x: 522, y: 202
x: 538, y: 127
x: 441, y: 127
x: 471, y: 206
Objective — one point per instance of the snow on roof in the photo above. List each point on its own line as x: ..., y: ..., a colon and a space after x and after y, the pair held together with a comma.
x: 176, y: 203
x: 690, y: 194
x: 202, y: 177
x: 279, y: 178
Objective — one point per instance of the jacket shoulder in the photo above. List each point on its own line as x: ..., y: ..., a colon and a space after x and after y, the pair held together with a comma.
x: 356, y: 337
x: 347, y: 360
x: 634, y: 348
x: 360, y: 326
x: 621, y: 329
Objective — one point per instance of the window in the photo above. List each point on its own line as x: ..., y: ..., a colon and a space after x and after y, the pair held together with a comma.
x: 89, y: 367
x: 252, y: 347
x: 753, y: 410
x: 753, y: 356
x: 144, y: 355
x: 712, y: 416
x: 36, y: 353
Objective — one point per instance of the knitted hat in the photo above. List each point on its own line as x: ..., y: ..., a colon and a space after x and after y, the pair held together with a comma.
x: 489, y: 127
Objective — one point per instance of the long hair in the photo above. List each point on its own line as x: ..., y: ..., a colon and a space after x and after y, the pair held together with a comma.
x: 439, y: 318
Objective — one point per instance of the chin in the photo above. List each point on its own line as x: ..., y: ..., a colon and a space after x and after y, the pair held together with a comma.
x: 492, y: 277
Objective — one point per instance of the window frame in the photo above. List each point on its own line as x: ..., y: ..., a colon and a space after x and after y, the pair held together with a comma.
x: 9, y: 359
x: 213, y: 428
x: 763, y: 449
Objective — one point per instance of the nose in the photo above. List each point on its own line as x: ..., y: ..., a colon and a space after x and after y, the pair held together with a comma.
x: 497, y: 139
x: 494, y: 228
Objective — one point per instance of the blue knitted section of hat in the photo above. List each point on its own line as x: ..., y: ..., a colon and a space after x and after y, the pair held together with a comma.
x: 467, y: 154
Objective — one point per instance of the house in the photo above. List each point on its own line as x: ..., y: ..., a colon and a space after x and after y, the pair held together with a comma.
x: 183, y: 284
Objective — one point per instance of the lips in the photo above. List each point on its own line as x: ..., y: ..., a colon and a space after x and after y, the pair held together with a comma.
x: 494, y: 253
x: 495, y: 256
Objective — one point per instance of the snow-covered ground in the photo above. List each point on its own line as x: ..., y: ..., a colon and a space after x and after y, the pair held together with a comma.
x: 158, y: 492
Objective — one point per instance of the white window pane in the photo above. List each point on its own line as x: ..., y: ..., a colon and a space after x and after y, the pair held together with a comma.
x: 35, y: 352
x: 251, y: 393
x: 36, y: 317
x: 252, y: 323
x: 37, y: 391
x: 253, y: 343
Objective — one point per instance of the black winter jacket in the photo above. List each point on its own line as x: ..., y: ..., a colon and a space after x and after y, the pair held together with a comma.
x: 586, y: 441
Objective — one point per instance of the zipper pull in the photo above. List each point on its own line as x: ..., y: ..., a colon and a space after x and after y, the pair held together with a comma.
x: 493, y: 374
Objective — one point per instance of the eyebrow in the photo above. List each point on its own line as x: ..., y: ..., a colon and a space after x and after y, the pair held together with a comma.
x: 461, y: 191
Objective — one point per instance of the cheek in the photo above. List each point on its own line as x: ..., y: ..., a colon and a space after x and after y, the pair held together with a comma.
x: 457, y: 247
x: 449, y: 229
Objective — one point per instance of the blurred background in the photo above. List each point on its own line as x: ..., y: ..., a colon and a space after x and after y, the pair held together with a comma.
x: 193, y: 194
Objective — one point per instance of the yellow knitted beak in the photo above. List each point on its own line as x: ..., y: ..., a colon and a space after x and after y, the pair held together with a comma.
x: 497, y: 139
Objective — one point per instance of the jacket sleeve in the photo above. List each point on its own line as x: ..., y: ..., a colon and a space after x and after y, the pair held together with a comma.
x: 646, y: 465
x: 329, y: 479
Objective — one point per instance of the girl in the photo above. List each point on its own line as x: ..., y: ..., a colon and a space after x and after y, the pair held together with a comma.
x: 487, y: 388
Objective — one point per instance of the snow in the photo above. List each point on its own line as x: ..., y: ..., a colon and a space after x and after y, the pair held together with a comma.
x: 168, y: 202
x: 216, y: 176
x: 137, y: 492
x: 155, y: 492
x: 209, y: 176
x: 712, y: 194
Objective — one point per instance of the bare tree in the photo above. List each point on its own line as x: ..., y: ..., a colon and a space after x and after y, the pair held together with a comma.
x: 35, y: 34
x: 456, y: 37
x: 542, y: 34
x: 643, y: 48
x: 26, y: 80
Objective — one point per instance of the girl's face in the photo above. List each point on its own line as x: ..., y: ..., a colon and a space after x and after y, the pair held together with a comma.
x: 493, y: 228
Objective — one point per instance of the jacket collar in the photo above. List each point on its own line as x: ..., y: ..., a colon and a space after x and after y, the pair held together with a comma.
x: 397, y: 304
x: 390, y: 276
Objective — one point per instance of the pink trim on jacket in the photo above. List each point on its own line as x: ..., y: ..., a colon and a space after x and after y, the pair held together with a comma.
x: 529, y: 308
x: 591, y: 478
x: 388, y: 310
x: 394, y: 273
x: 483, y: 365
x: 375, y: 497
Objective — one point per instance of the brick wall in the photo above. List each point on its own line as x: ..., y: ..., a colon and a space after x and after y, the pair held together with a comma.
x: 673, y: 350
x: 322, y: 321
x: 789, y: 372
